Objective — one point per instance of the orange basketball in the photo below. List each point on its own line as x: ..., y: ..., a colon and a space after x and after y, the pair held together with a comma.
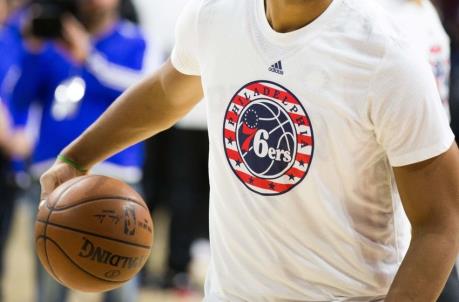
x: 93, y: 233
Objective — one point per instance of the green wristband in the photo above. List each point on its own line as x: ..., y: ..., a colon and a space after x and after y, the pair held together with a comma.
x: 71, y: 163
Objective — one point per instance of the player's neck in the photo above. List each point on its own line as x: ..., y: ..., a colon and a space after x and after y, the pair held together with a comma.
x: 290, y: 15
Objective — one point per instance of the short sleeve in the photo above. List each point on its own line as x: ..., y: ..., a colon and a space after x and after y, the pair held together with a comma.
x: 406, y: 110
x: 185, y: 53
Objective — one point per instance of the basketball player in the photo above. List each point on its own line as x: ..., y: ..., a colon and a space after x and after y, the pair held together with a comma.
x: 316, y: 111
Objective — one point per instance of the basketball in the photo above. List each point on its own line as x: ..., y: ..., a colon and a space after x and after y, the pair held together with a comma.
x: 93, y: 233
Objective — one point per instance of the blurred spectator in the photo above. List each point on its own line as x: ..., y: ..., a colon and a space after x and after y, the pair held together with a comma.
x: 74, y: 78
x: 11, y: 144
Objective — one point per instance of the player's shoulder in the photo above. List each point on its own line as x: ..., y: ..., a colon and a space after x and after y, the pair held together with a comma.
x: 433, y: 17
x: 430, y: 9
x: 223, y: 3
x: 218, y: 9
x: 371, y: 20
x: 375, y: 31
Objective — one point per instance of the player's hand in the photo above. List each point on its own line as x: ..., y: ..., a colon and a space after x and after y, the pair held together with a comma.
x: 59, y: 173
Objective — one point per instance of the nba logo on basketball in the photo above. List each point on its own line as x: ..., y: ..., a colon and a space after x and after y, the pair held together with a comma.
x: 268, y: 138
x: 130, y: 220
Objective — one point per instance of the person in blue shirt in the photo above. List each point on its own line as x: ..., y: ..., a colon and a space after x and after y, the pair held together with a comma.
x: 11, y: 144
x: 74, y: 79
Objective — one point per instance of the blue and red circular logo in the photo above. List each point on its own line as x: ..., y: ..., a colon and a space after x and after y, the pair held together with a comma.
x: 268, y: 138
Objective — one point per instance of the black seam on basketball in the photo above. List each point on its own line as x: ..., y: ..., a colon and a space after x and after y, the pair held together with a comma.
x: 74, y: 263
x: 85, y: 201
x: 46, y: 226
x: 95, y: 235
x: 65, y: 190
x: 47, y: 259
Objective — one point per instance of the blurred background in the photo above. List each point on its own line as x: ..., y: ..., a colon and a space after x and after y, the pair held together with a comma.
x: 62, y: 63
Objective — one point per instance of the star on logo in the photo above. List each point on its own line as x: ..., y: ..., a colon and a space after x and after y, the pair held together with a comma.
x: 272, y: 186
x: 301, y: 163
x: 291, y: 177
x: 251, y: 180
x: 230, y: 140
x: 238, y: 163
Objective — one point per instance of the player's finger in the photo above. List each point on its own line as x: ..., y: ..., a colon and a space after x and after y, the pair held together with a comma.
x: 48, y: 184
x: 42, y: 203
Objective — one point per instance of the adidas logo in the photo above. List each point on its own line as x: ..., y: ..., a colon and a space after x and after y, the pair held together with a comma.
x: 277, y: 68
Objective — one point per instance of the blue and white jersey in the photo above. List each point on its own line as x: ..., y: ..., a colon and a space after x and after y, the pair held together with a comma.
x: 72, y: 96
x: 11, y: 52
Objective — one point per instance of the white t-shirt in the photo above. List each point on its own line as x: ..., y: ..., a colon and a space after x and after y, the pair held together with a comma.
x: 423, y: 29
x: 304, y: 128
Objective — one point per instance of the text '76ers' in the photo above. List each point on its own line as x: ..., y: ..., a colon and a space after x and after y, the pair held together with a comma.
x: 268, y: 138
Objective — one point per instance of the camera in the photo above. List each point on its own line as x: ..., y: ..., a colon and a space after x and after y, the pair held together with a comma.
x: 46, y: 16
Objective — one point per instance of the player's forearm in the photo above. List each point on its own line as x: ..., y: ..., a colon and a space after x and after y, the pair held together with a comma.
x: 427, y: 265
x: 141, y: 112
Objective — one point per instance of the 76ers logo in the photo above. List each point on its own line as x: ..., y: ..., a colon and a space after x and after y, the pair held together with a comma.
x: 268, y: 138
